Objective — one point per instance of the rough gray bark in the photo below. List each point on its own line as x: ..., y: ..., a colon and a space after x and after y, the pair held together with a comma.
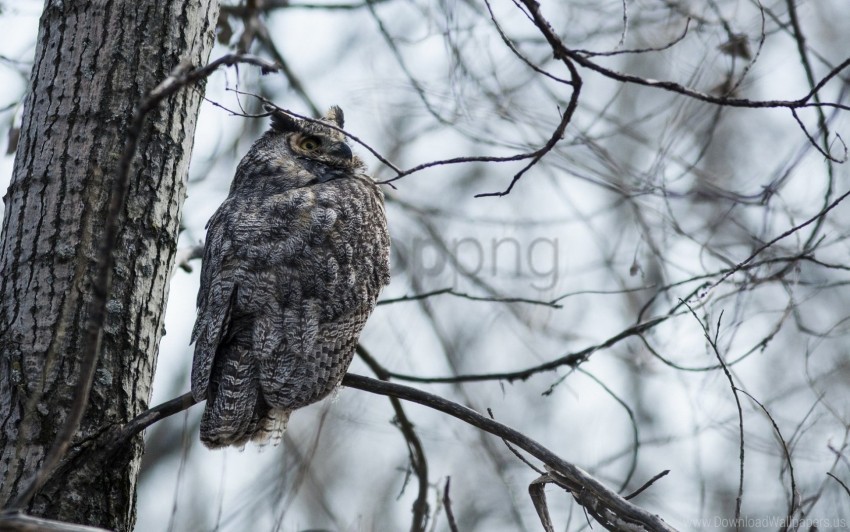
x: 94, y: 62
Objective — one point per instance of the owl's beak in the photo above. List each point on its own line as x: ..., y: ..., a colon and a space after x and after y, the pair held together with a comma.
x: 341, y: 150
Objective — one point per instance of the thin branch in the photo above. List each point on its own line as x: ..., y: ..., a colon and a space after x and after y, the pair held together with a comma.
x: 632, y: 420
x: 447, y: 504
x: 516, y: 453
x: 648, y: 483
x: 713, y: 343
x: 463, y: 295
x: 674, y: 87
x: 418, y: 461
x: 733, y: 102
x: 570, y: 359
x: 813, y: 142
x: 674, y: 42
x: 392, y: 44
x: 512, y: 47
x: 457, y: 160
x: 185, y: 255
x: 572, y: 105
x: 843, y: 485
x: 800, y: 39
x: 536, y: 490
x: 564, y: 54
x: 151, y: 416
x: 787, y: 233
x: 269, y: 5
x: 792, y: 506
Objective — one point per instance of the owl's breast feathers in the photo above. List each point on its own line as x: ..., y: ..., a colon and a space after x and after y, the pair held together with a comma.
x: 287, y: 283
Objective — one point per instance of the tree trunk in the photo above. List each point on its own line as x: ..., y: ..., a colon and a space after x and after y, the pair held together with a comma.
x: 94, y: 62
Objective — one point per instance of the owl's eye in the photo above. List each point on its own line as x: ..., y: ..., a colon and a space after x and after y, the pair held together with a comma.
x: 310, y: 143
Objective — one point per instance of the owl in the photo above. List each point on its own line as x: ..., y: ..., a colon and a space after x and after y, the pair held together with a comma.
x: 293, y: 264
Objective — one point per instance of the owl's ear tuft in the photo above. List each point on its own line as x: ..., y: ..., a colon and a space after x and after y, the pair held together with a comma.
x: 281, y: 121
x: 335, y: 116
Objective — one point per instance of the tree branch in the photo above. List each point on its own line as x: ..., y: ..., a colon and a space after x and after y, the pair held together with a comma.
x: 15, y: 521
x: 570, y: 359
x: 589, y: 492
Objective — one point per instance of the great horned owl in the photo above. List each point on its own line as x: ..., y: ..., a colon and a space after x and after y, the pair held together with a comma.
x: 294, y: 260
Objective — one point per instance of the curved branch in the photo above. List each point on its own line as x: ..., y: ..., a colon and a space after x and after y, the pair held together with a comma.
x: 565, y: 54
x: 615, y: 512
x: 713, y: 343
x: 570, y: 359
x: 566, y: 117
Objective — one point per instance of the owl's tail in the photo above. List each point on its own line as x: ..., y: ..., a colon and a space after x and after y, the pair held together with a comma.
x: 236, y: 411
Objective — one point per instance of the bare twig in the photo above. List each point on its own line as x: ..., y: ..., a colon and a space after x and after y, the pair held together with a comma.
x: 632, y: 420
x: 512, y: 47
x: 843, y: 485
x: 151, y: 416
x: 763, y: 247
x: 563, y: 53
x: 671, y: 86
x: 516, y: 453
x: 795, y: 497
x: 674, y: 42
x: 418, y: 461
x: 713, y: 343
x: 463, y: 295
x: 648, y: 483
x: 566, y: 116
x: 570, y: 359
x: 447, y: 504
x: 185, y: 255
x: 269, y: 5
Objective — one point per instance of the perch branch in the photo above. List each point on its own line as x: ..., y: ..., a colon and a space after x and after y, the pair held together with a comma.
x: 610, y: 509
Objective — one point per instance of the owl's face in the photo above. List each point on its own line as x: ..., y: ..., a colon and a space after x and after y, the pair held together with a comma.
x: 314, y: 142
x: 296, y: 153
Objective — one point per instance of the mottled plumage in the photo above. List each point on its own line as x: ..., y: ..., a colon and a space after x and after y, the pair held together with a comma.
x: 294, y: 260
